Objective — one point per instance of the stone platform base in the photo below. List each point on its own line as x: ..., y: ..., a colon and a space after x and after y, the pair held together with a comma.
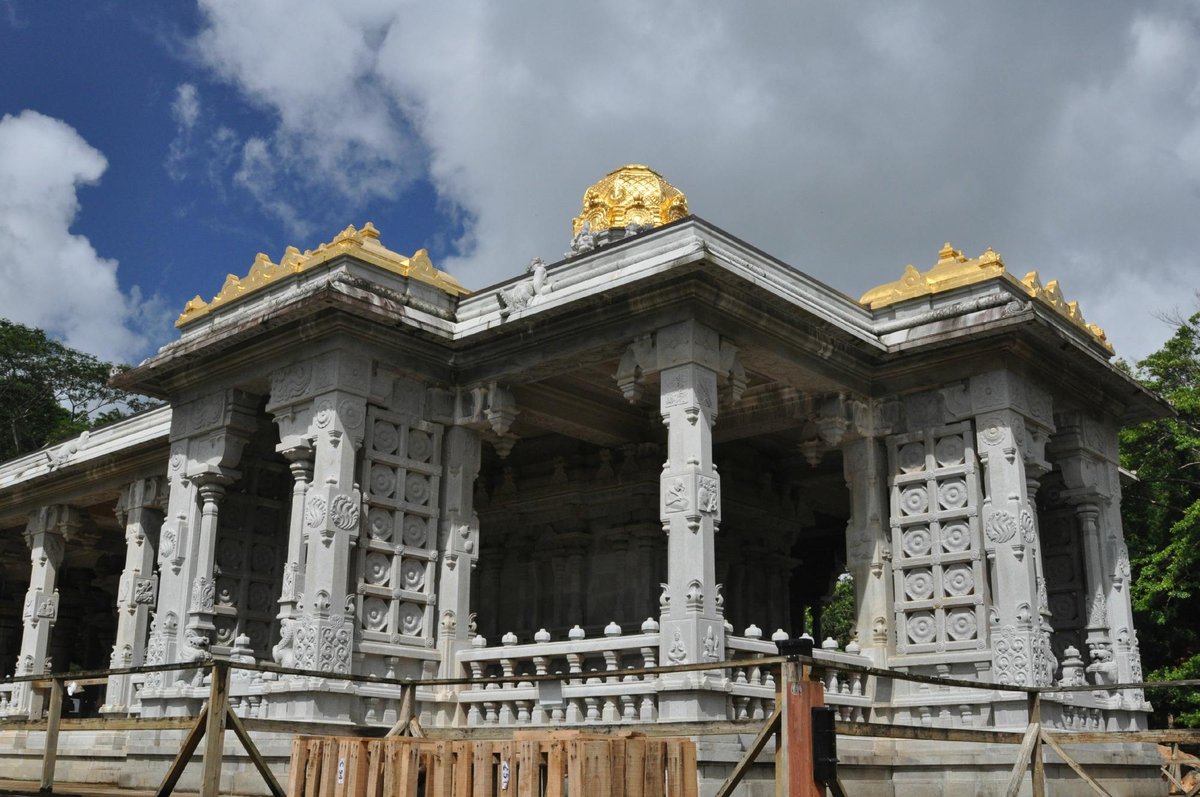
x: 870, y: 768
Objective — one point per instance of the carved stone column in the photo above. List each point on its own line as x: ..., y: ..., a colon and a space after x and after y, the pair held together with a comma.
x: 332, y: 510
x: 459, y: 544
x: 300, y: 461
x: 1086, y: 452
x: 867, y: 551
x: 692, y: 625
x: 1011, y: 436
x: 139, y: 509
x: 48, y: 531
x: 211, y: 487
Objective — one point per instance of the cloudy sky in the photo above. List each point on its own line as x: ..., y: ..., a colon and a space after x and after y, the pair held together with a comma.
x: 147, y: 149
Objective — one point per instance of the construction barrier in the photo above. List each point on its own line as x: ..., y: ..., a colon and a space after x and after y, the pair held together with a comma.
x: 558, y: 764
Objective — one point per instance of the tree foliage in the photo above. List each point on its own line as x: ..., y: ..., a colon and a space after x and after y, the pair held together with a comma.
x: 49, y: 391
x: 1161, y: 514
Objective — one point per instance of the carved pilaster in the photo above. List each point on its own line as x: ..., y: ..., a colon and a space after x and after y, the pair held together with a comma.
x: 47, y: 533
x: 459, y: 543
x: 867, y: 551
x: 1010, y: 445
x: 140, y: 509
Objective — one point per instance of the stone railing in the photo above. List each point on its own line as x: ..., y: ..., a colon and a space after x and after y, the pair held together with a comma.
x: 596, y: 691
x: 752, y: 695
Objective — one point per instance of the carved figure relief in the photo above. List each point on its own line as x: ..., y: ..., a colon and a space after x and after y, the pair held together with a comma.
x: 676, y: 499
x: 708, y: 495
x: 677, y: 653
x: 203, y: 594
x: 710, y: 645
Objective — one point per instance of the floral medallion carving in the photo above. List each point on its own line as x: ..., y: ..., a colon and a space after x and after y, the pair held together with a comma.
x: 1000, y: 526
x: 344, y: 512
x: 314, y: 511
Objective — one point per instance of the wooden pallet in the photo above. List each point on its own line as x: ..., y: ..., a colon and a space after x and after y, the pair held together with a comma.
x: 530, y: 765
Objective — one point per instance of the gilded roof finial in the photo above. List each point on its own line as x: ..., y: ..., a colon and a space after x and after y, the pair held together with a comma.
x: 631, y: 195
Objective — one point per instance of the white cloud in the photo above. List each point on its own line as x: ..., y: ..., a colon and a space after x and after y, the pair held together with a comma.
x: 185, y: 109
x: 847, y: 141
x: 53, y: 279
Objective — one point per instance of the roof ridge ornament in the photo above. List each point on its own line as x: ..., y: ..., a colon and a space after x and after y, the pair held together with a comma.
x: 361, y: 244
x: 953, y: 270
x: 625, y: 202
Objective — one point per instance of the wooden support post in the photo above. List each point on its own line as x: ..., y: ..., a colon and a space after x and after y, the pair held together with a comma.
x: 1039, y: 765
x: 1073, y: 764
x: 408, y: 698
x: 771, y: 728
x: 214, y: 732
x: 794, y: 760
x: 190, y: 743
x: 50, y: 756
x: 1022, y: 763
x: 260, y: 763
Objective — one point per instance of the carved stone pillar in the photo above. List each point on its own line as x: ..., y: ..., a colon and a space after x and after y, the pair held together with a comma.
x: 864, y: 463
x: 139, y: 509
x: 1086, y: 452
x: 211, y: 487
x: 459, y: 544
x: 1010, y: 445
x: 300, y: 461
x: 691, y: 622
x: 48, y: 531
x: 332, y: 509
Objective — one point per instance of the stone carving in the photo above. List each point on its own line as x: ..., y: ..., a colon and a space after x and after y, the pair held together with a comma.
x: 709, y: 651
x: 145, y: 591
x: 1010, y: 660
x: 314, y: 511
x: 323, y: 643
x: 664, y: 598
x: 1098, y: 611
x: 290, y: 382
x: 526, y: 292
x: 344, y: 512
x: 64, y: 453
x: 1000, y: 526
x: 350, y: 411
x: 1028, y: 529
x: 694, y: 597
x: 708, y: 495
x: 203, y: 594
x: 195, y: 649
x: 324, y: 414
x: 676, y: 499
x: 677, y: 653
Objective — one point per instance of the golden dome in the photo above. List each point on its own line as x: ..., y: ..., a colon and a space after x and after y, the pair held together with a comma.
x: 632, y: 194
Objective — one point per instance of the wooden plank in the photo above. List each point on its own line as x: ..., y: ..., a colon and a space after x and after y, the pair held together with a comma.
x: 575, y: 784
x: 410, y: 769
x: 53, y: 717
x: 214, y: 733
x: 296, y: 767
x: 190, y: 743
x: 691, y: 779
x: 595, y: 772
x: 376, y: 760
x: 529, y: 768
x: 674, y: 770
x: 1073, y: 764
x: 256, y: 757
x: 439, y: 782
x: 390, y: 766
x: 1017, y: 777
x: 482, y: 770
x: 329, y: 768
x: 1163, y: 736
x: 616, y: 765
x: 1039, y: 764
x: 635, y: 767
x: 463, y: 758
x: 556, y: 768
x: 769, y: 729
x: 312, y: 773
x: 923, y: 733
x: 655, y: 783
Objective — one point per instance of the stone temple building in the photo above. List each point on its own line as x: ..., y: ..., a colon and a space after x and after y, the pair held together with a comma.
x: 663, y: 448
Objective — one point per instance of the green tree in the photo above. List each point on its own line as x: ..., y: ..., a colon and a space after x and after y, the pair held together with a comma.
x: 49, y: 391
x: 1161, y: 514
